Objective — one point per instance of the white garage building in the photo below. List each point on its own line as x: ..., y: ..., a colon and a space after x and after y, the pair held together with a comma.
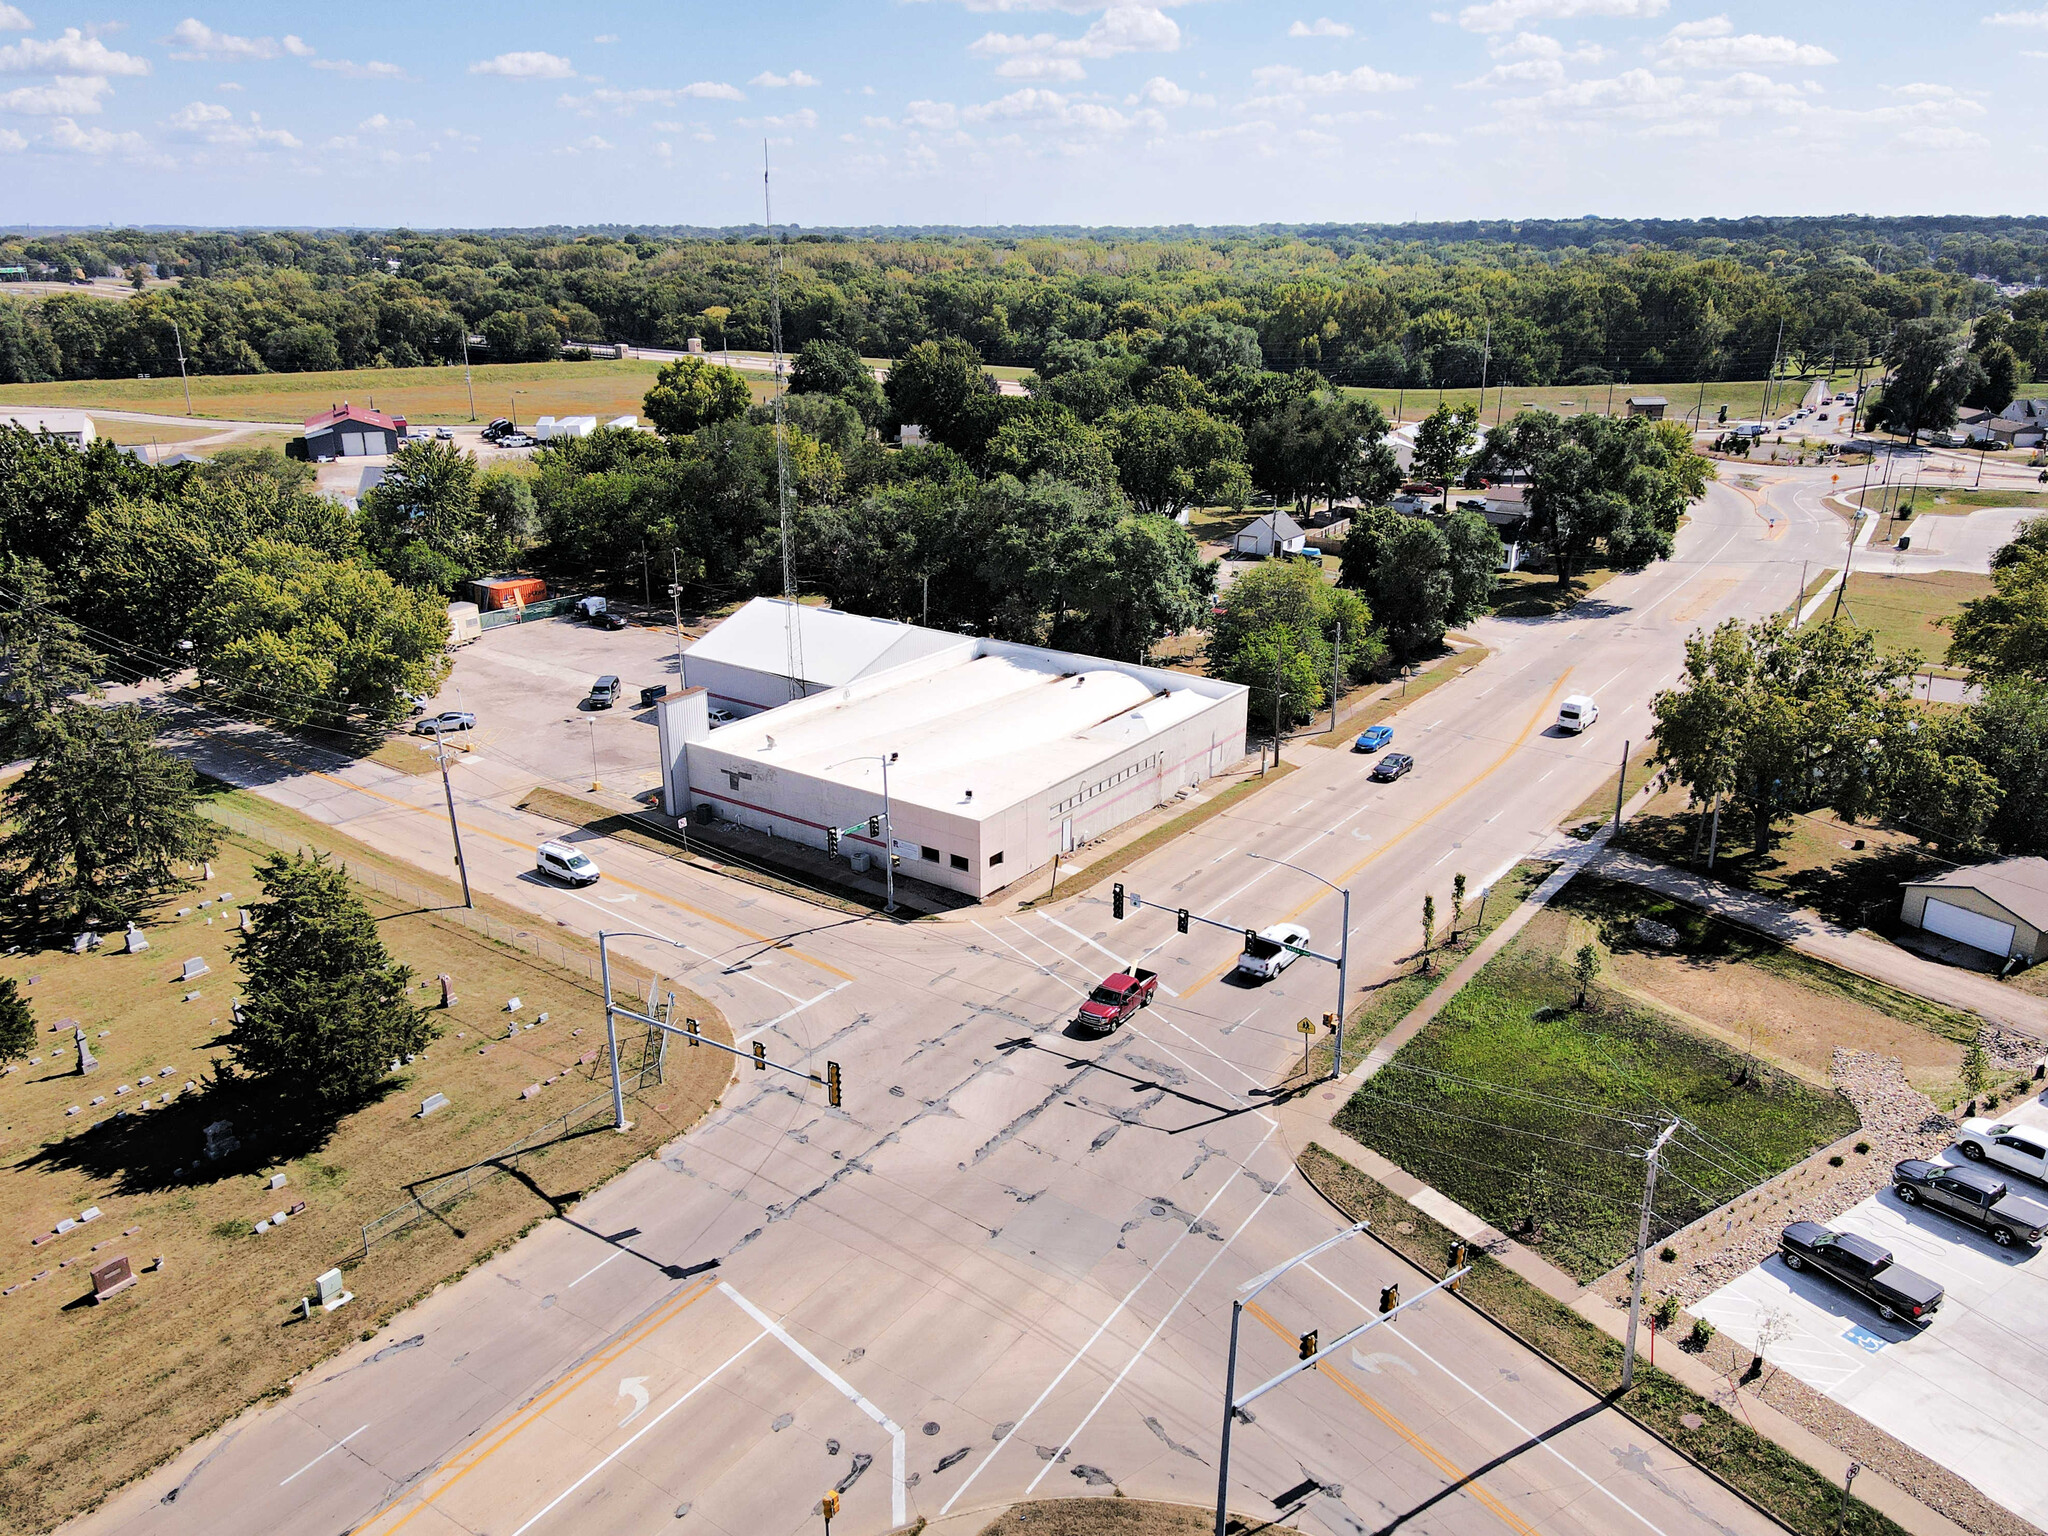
x: 999, y: 755
x: 2000, y: 908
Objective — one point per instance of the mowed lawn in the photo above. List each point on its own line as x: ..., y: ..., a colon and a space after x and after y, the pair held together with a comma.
x: 1909, y: 612
x: 601, y: 388
x: 1742, y: 397
x: 1523, y: 1108
x: 97, y: 1395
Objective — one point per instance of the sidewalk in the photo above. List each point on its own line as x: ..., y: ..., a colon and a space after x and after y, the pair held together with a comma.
x: 1812, y: 934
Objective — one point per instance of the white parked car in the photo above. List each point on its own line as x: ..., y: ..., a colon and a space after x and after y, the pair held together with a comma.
x: 565, y: 863
x: 2021, y: 1148
x: 1271, y: 951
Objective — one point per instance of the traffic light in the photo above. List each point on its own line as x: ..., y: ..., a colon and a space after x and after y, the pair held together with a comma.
x: 1308, y: 1344
x: 832, y: 1083
x: 1457, y: 1257
x: 1116, y: 900
x: 1330, y: 1022
x: 874, y: 826
x: 1390, y: 1296
x: 829, y: 1506
x: 690, y: 1025
x: 1251, y: 937
x: 831, y: 839
x: 760, y: 1056
x: 1181, y: 920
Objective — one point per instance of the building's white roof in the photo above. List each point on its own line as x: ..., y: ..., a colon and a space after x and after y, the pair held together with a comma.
x: 58, y: 423
x: 835, y: 647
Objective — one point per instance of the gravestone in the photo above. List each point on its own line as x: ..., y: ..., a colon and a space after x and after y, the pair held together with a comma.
x: 531, y: 1091
x: 65, y: 1226
x: 262, y: 1227
x: 220, y: 1139
x: 82, y: 943
x: 245, y: 921
x: 192, y: 997
x: 513, y: 1005
x: 136, y: 942
x: 297, y: 1206
x: 329, y: 1293
x: 184, y: 911
x: 432, y: 1102
x: 90, y: 1213
x: 209, y: 869
x: 111, y: 1279
x: 277, y: 1181
x: 447, y: 990
x: 277, y: 1218
x: 87, y: 1062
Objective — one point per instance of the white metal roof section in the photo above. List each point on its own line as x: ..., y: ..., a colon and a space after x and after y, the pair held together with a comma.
x: 835, y: 647
x: 994, y: 725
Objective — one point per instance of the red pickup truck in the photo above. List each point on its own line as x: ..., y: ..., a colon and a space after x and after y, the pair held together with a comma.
x: 1116, y: 999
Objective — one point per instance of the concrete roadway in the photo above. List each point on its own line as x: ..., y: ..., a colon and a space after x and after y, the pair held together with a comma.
x: 1004, y: 1268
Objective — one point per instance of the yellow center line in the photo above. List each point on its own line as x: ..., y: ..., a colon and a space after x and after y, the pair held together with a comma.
x: 514, y: 842
x: 495, y: 1441
x: 1535, y: 720
x: 1393, y: 1421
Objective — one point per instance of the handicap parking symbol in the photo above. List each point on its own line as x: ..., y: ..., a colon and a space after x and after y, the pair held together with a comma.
x: 1865, y: 1340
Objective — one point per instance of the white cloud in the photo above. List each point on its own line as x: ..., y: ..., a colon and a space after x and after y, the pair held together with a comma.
x: 227, y: 85
x: 1536, y: 45
x: 1044, y: 55
x: 624, y: 101
x: 775, y: 82
x: 528, y: 65
x: 1505, y: 15
x: 1285, y: 77
x: 1051, y: 109
x: 2017, y: 18
x: 72, y: 53
x: 606, y: 37
x: 211, y: 123
x: 1520, y: 72
x: 1159, y: 92
x: 66, y: 95
x: 67, y: 138
x: 375, y: 69
x: 379, y: 123
x: 594, y: 144
x: 1942, y: 139
x: 1434, y: 140
x: 1712, y: 26
x: 12, y: 20
x: 194, y: 39
x: 1322, y: 26
x: 937, y: 115
x: 1750, y: 51
x: 11, y: 143
x: 804, y: 118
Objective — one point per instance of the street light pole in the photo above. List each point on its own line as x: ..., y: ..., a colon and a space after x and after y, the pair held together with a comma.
x: 888, y: 825
x: 467, y: 382
x: 1635, y: 1295
x: 179, y: 336
x: 454, y: 827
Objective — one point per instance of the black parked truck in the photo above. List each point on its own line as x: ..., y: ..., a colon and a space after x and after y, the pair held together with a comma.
x: 1863, y: 1267
x: 1972, y: 1195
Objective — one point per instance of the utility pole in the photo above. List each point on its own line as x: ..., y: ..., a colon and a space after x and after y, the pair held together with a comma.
x: 1276, y: 706
x: 179, y: 337
x: 888, y: 840
x: 454, y: 827
x: 1771, y: 379
x: 1855, y: 523
x: 1621, y: 785
x: 1635, y: 1295
x: 467, y: 382
x: 1799, y: 597
x: 675, y: 597
x: 1336, y: 674
x: 1485, y: 357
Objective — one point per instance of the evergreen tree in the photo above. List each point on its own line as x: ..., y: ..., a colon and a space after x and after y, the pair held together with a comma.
x: 326, y: 1010
x: 17, y: 1023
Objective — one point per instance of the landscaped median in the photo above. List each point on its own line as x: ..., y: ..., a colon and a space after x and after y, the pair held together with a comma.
x: 1702, y: 1430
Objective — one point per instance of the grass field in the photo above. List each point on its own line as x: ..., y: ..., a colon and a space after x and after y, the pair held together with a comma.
x: 1743, y: 399
x: 1530, y: 1112
x: 97, y: 1395
x: 125, y: 433
x: 1527, y: 594
x: 1947, y: 503
x: 600, y: 388
x: 1907, y: 611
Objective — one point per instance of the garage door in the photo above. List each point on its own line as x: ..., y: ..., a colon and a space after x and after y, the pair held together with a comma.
x: 352, y: 444
x: 1972, y: 928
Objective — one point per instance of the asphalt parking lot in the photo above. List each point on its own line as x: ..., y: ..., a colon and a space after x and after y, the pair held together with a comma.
x: 1971, y: 1389
x: 527, y: 683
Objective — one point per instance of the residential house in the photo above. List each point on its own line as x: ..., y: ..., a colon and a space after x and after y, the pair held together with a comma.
x: 1652, y: 406
x: 1274, y: 534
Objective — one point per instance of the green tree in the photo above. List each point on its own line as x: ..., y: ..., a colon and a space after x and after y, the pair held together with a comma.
x: 1585, y: 971
x: 303, y: 639
x: 2001, y: 381
x: 833, y: 368
x: 1600, y: 485
x: 1282, y: 615
x: 325, y: 1013
x: 690, y: 393
x: 505, y: 499
x: 44, y: 654
x: 258, y: 464
x: 1321, y: 446
x: 1930, y: 376
x: 2011, y: 726
x: 1403, y: 566
x: 1048, y: 439
x: 1443, y: 445
x: 17, y: 1023
x: 942, y: 387
x: 1169, y: 460
x: 102, y: 819
x: 2004, y: 634
x: 1428, y: 932
x: 430, y: 497
x: 1476, y: 556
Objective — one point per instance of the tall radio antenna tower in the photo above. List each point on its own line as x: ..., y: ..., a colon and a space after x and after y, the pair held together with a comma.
x: 790, y: 617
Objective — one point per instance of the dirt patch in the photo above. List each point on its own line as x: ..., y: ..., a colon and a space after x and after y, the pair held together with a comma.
x: 1110, y: 1517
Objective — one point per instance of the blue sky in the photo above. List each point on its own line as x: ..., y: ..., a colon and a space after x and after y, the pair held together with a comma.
x: 1015, y: 111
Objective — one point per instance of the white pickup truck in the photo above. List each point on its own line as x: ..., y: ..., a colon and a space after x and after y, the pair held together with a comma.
x: 1270, y: 951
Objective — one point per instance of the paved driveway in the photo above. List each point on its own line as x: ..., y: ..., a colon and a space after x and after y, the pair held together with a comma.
x: 1970, y: 1390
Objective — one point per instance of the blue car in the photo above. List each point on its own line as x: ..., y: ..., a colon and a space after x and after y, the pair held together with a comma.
x: 1373, y: 738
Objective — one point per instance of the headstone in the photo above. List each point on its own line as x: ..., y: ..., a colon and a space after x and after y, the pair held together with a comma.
x: 123, y: 1088
x: 531, y: 1091
x: 447, y: 990
x: 220, y: 1139
x: 209, y: 869
x: 262, y: 1227
x: 277, y: 1181
x: 297, y: 1206
x: 512, y: 1005
x: 245, y: 921
x: 226, y: 897
x: 96, y: 1103
x: 163, y: 1071
x: 72, y: 1110
x: 81, y: 944
x: 511, y: 1029
x: 235, y: 1012
x: 136, y: 942
x: 206, y: 903
x: 87, y: 1062
x: 184, y: 911
x: 542, y: 1019
x: 192, y: 997
x: 90, y: 1213
x: 329, y: 1293
x: 111, y: 1279
x: 277, y: 1218
x: 65, y: 1226
x: 432, y: 1102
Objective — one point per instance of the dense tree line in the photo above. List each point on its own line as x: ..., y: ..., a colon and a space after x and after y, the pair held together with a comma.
x: 1579, y: 302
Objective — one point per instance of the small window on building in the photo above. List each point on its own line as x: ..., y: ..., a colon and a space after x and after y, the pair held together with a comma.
x: 931, y: 855
x: 960, y: 861
x: 994, y: 859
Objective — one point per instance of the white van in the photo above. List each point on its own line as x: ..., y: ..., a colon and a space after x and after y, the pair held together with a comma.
x: 562, y: 862
x: 1577, y: 712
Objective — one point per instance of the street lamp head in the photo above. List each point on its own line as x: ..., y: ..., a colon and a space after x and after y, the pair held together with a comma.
x: 894, y: 755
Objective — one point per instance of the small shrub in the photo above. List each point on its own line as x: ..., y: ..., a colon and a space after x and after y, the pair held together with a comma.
x: 1702, y: 1334
x: 1665, y: 1313
x: 1668, y: 1254
x: 1835, y: 1161
x: 1991, y: 1101
x: 1863, y: 1147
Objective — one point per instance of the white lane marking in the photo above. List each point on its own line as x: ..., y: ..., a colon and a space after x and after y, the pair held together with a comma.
x: 1408, y: 1343
x: 1695, y: 572
x: 1101, y: 1328
x: 1226, y: 853
x: 1121, y: 963
x: 1269, y: 866
x: 1441, y: 857
x: 647, y: 1428
x: 1303, y: 806
x: 624, y: 896
x: 344, y: 1440
x: 1546, y: 774
x: 634, y: 1387
x: 1595, y: 690
x: 1139, y: 1353
x: 789, y: 1013
x: 1037, y: 965
x: 600, y: 1264
x: 845, y: 1389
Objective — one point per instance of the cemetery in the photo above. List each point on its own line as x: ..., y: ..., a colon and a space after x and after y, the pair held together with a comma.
x: 180, y: 1247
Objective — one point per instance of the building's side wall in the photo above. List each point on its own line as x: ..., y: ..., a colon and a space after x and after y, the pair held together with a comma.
x: 2027, y: 940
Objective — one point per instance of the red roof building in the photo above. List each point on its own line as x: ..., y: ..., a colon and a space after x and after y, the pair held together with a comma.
x: 351, y: 431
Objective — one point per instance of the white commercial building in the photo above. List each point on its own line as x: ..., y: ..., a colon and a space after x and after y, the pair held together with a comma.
x: 998, y: 756
x: 73, y: 427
